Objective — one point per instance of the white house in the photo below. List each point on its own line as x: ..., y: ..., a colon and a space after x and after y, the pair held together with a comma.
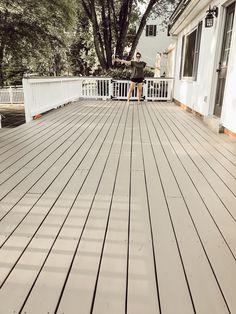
x: 205, y: 68
x: 154, y: 40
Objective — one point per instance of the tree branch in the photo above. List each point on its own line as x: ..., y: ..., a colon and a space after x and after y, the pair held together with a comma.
x: 86, y: 9
x: 115, y: 20
x: 97, y: 36
x: 141, y: 27
x: 123, y: 26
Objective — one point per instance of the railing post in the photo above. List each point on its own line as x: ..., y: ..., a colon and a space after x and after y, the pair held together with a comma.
x: 27, y: 99
x: 11, y: 95
x: 145, y: 90
x: 170, y: 90
x: 111, y: 89
x: 80, y: 87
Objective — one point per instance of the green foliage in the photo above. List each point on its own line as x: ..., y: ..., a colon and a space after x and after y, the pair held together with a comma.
x: 148, y: 73
x: 119, y: 73
x: 31, y: 30
x: 82, y: 54
x: 124, y: 73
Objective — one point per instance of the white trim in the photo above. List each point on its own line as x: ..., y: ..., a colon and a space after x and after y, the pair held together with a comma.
x: 231, y: 59
x: 218, y: 48
x: 190, y: 13
x: 227, y: 3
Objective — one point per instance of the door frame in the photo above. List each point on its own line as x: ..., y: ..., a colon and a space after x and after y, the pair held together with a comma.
x: 218, y: 45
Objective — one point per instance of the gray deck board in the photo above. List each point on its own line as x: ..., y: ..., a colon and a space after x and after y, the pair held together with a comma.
x: 165, y: 245
x: 37, y: 139
x: 110, y: 294
x: 142, y: 295
x: 110, y: 207
x: 203, y: 286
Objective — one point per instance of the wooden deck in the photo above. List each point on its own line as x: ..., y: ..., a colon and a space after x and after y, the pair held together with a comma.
x: 108, y: 208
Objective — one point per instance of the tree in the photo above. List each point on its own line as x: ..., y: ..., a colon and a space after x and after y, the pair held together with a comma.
x: 111, y: 21
x: 29, y: 28
x: 82, y: 55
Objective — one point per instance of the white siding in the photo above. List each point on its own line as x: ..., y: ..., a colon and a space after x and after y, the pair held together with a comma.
x: 200, y: 95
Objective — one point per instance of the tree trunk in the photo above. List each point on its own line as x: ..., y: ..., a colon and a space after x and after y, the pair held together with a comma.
x: 1, y: 67
x: 123, y: 26
x: 141, y: 28
x: 99, y: 51
x: 115, y: 21
x: 113, y: 25
x: 98, y: 43
x: 109, y: 52
x: 106, y: 27
x: 3, y: 39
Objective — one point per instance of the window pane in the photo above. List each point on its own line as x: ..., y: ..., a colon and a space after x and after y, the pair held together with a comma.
x: 230, y: 22
x: 150, y: 30
x: 228, y: 39
x: 155, y: 30
x: 189, y: 54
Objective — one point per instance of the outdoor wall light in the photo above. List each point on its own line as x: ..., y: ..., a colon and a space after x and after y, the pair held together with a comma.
x: 209, y: 19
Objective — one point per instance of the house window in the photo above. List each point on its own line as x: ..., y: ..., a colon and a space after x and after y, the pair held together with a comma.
x: 151, y: 30
x: 191, y: 53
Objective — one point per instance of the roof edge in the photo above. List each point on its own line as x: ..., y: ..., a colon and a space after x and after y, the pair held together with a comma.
x: 178, y: 12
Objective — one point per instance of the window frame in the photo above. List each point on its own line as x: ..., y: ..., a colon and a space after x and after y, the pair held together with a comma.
x: 197, y: 48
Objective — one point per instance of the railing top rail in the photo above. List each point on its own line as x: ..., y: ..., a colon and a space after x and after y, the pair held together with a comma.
x: 45, y: 80
x: 147, y: 78
x: 96, y: 77
x: 59, y: 78
x: 11, y: 86
x: 159, y: 78
x: 36, y: 77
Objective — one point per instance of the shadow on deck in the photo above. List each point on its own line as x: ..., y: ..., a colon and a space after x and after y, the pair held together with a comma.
x: 12, y: 115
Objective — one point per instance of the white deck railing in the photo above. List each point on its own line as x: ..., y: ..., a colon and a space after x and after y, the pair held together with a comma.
x: 96, y: 87
x: 159, y: 89
x: 44, y: 94
x: 12, y: 95
x: 120, y: 89
x: 153, y: 89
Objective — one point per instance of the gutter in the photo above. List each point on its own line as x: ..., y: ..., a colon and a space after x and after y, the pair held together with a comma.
x: 177, y: 13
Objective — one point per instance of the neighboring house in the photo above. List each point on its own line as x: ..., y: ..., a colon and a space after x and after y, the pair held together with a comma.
x: 154, y: 40
x: 205, y: 69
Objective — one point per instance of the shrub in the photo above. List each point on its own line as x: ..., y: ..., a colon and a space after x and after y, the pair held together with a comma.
x: 125, y: 73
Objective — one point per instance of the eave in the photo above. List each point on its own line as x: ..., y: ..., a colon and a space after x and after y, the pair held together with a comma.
x: 183, y: 16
